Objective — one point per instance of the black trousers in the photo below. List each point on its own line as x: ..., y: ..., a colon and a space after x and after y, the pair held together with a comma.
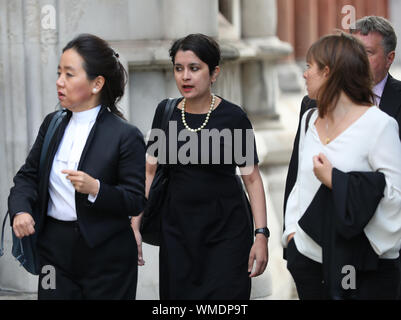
x: 381, y: 284
x: 399, y: 291
x: 73, y: 271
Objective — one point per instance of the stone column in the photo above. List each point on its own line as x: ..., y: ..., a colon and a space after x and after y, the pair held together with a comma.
x: 18, y: 112
x: 383, y: 8
x: 378, y: 8
x: 286, y: 21
x: 259, y: 18
x: 289, y: 74
x: 360, y: 6
x: 178, y: 19
x: 327, y: 17
x: 260, y: 82
x: 41, y: 58
x: 306, y: 29
x: 394, y: 8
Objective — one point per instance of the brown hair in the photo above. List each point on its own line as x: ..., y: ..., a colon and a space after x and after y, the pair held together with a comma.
x: 346, y: 58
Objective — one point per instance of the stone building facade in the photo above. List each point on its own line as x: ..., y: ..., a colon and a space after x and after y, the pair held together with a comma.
x: 318, y: 18
x: 321, y: 17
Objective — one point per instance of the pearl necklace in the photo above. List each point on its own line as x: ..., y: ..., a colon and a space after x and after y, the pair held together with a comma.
x: 207, y: 116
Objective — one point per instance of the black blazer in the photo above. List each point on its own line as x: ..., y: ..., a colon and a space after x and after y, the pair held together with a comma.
x: 114, y: 154
x: 389, y: 103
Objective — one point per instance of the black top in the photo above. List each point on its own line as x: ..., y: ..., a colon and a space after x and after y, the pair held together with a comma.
x: 232, y: 124
x: 206, y: 237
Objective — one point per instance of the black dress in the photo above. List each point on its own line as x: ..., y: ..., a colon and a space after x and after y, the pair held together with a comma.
x: 206, y: 230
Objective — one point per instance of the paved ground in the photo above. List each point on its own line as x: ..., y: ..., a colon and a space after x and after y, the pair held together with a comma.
x: 8, y: 295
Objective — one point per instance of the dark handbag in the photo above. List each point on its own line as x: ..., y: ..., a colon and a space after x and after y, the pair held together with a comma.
x: 24, y: 250
x: 151, y: 218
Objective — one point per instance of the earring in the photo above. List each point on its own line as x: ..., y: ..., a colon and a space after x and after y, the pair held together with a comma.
x: 94, y: 90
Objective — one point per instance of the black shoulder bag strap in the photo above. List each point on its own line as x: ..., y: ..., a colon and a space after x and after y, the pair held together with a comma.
x: 168, y: 111
x: 54, y: 124
x: 308, y: 116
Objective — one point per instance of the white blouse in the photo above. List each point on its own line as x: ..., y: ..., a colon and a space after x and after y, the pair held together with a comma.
x: 371, y: 143
x: 62, y: 193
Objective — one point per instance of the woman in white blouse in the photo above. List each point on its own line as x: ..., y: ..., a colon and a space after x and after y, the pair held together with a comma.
x: 92, y: 181
x: 347, y: 133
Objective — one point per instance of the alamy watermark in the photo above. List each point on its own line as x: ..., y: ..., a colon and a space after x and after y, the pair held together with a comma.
x: 48, y: 17
x: 349, y: 20
x: 49, y: 277
x: 349, y: 281
x: 217, y: 147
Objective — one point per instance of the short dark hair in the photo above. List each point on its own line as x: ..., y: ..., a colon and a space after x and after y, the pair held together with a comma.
x: 348, y: 62
x: 101, y: 60
x: 380, y: 25
x: 206, y: 48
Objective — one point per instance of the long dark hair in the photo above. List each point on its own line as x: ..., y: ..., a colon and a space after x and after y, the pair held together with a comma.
x: 101, y: 60
x: 347, y: 60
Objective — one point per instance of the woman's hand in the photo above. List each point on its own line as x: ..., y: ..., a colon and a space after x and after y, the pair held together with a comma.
x: 23, y: 225
x: 135, y: 225
x: 259, y: 252
x: 290, y: 236
x: 323, y: 169
x: 82, y: 182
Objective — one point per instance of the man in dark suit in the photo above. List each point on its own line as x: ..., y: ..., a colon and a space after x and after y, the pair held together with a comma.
x: 380, y: 42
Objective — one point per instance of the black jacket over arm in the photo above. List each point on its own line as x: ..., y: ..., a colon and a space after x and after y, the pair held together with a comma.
x: 114, y: 154
x: 336, y: 219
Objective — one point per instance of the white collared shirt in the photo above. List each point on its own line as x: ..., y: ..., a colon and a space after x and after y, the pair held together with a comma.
x: 378, y: 90
x: 62, y: 193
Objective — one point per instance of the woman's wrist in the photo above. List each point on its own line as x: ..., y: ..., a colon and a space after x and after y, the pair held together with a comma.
x: 290, y: 236
x: 261, y: 237
x: 95, y: 188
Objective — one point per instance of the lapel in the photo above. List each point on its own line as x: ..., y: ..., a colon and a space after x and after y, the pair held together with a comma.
x: 53, y: 147
x: 391, y: 97
x: 58, y: 136
x: 55, y: 142
x: 91, y: 136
